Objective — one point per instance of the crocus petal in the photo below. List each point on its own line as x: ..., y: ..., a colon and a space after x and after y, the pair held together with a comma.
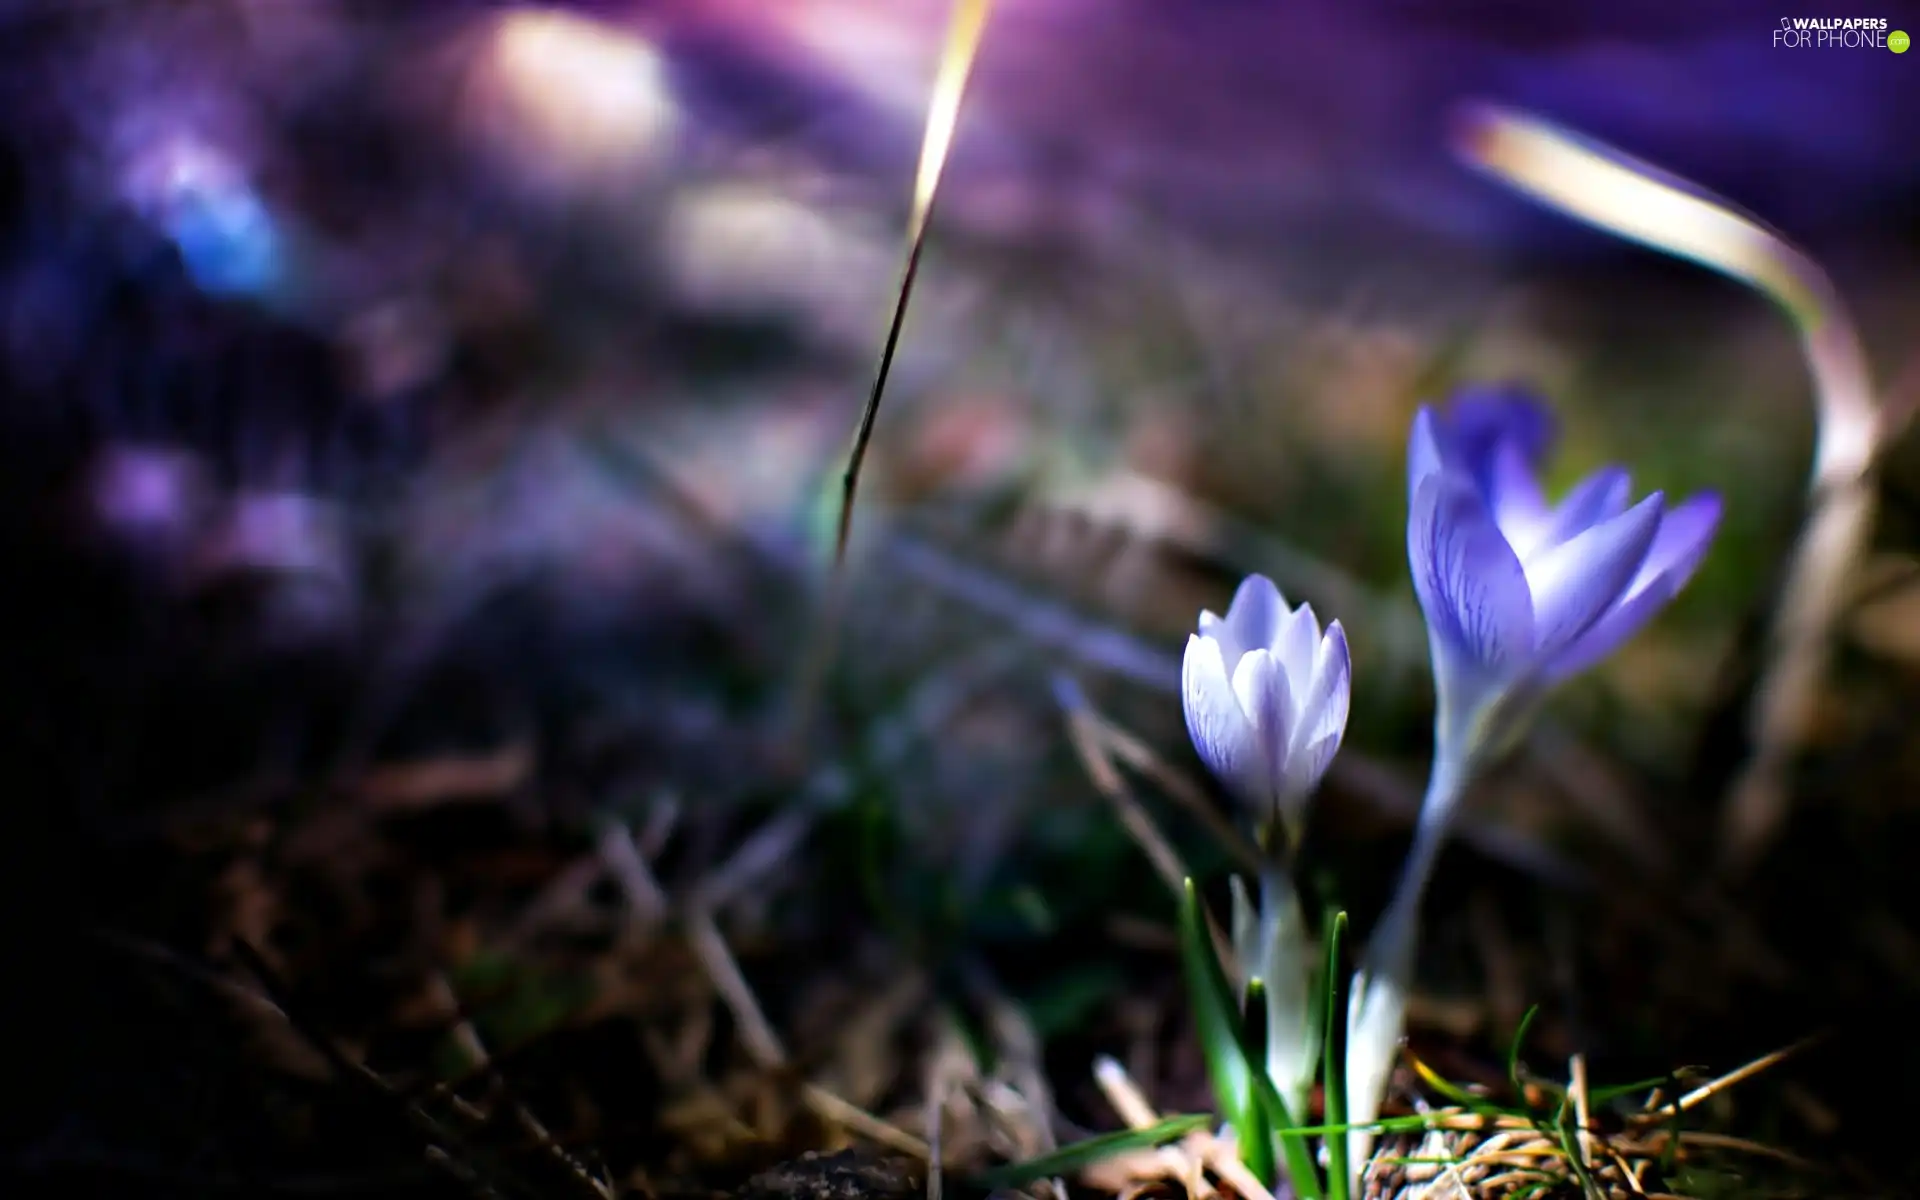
x: 1519, y: 509
x: 1599, y: 497
x: 1323, y: 714
x: 1309, y: 764
x: 1576, y: 581
x: 1685, y: 533
x: 1607, y: 634
x: 1468, y: 579
x: 1253, y: 618
x: 1221, y: 731
x: 1323, y: 705
x: 1423, y: 451
x: 1261, y: 686
x: 1481, y: 418
x: 1214, y: 628
x: 1298, y: 644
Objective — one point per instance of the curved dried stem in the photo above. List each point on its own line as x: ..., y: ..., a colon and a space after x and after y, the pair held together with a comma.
x: 1637, y: 201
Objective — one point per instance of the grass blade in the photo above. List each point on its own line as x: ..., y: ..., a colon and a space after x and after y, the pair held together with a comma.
x: 956, y: 63
x: 1071, y: 1160
x: 1513, y: 1053
x: 1454, y: 1094
x: 1341, y: 1182
x: 1414, y: 1123
x: 1614, y: 1091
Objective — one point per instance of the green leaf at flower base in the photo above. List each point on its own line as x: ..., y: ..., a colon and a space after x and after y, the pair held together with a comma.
x: 1301, y: 1171
x: 1513, y: 1051
x: 1333, y: 1045
x: 1216, y: 1019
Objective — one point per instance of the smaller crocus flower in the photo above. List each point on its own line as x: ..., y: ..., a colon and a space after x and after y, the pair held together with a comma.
x: 1518, y: 593
x: 1266, y: 695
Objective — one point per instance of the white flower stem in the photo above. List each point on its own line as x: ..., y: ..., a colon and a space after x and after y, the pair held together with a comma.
x: 1292, y: 1045
x: 1377, y: 1005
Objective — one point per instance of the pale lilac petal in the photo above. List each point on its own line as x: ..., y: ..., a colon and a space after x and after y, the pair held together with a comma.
x: 1253, y: 618
x: 1685, y: 533
x: 1599, y: 497
x: 1262, y: 688
x: 1266, y: 696
x: 1576, y: 581
x: 1323, y: 708
x: 1298, y: 643
x: 1221, y: 731
x: 1310, y: 764
x: 1212, y: 625
x: 1423, y: 451
x: 1468, y: 579
x: 1519, y: 509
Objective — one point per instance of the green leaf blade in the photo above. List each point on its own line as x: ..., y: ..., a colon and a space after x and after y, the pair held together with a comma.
x: 1071, y: 1160
x: 1222, y: 1040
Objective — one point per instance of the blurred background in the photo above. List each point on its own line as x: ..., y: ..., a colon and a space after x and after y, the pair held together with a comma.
x: 421, y: 429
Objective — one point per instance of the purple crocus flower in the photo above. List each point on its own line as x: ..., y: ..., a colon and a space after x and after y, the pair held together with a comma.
x: 1519, y: 593
x: 1266, y: 695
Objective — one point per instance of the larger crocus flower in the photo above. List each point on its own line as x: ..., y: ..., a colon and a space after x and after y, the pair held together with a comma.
x: 1266, y: 695
x: 1519, y: 593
